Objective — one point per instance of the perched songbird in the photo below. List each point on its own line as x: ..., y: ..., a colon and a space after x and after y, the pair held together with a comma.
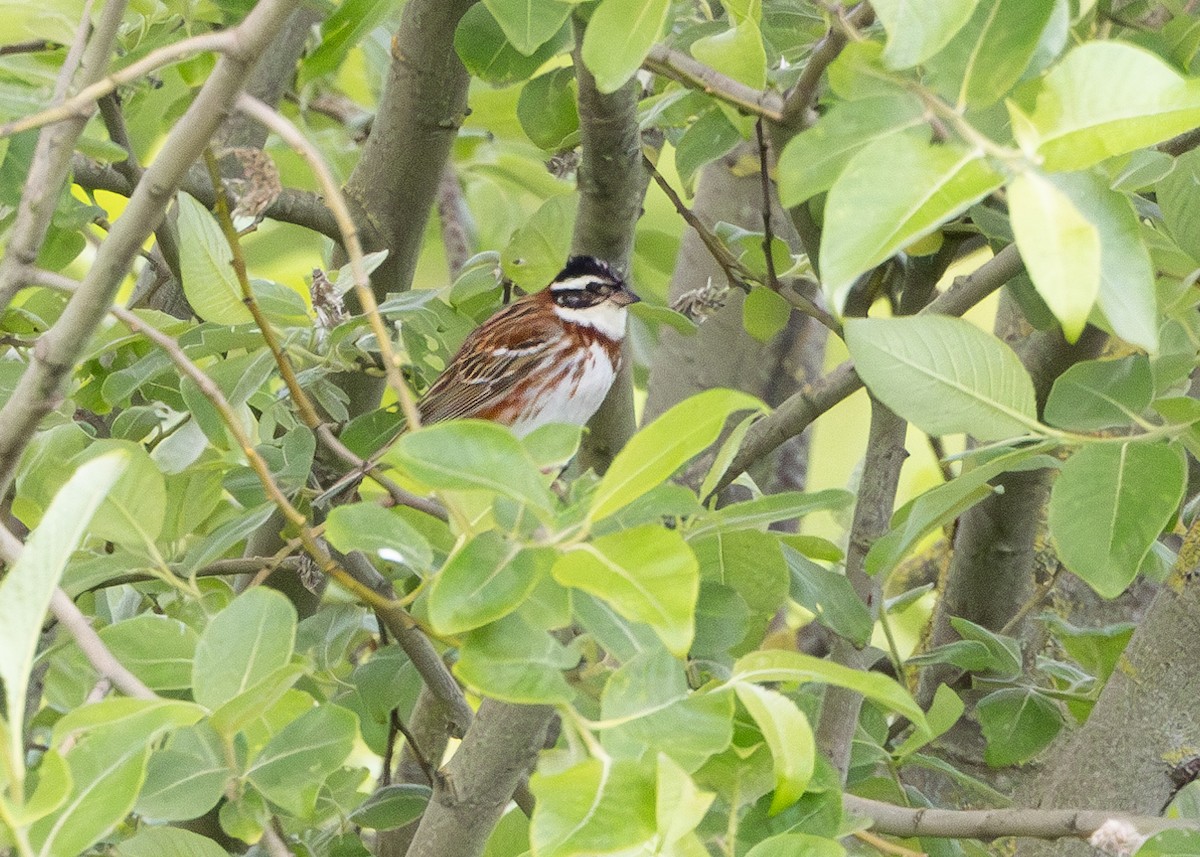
x: 548, y: 357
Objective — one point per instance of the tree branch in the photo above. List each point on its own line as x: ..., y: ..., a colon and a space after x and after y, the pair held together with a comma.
x: 802, y: 95
x: 680, y: 67
x: 52, y: 155
x: 298, y: 207
x: 994, y: 823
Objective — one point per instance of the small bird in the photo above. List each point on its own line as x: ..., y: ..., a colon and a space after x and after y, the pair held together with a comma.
x: 548, y: 357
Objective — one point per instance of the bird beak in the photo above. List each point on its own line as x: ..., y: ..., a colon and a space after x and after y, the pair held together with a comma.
x: 624, y: 297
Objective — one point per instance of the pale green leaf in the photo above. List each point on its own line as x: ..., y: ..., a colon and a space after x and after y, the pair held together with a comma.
x: 777, y: 665
x: 512, y: 661
x: 484, y: 580
x: 168, y: 842
x: 244, y: 643
x: 796, y: 844
x: 661, y: 448
x: 991, y: 52
x: 377, y: 532
x: 466, y: 455
x: 765, y: 313
x: 945, y: 375
x: 918, y: 30
x: 945, y: 710
x: 1107, y: 98
x: 619, y: 36
x: 814, y: 158
x: 135, y: 508
x: 790, y: 737
x: 1109, y: 504
x: 1060, y: 247
x: 737, y: 53
x: 1178, y: 196
x: 648, y: 574
x: 291, y: 768
x: 892, y: 192
x: 679, y: 805
x: 594, y: 807
x: 26, y: 590
x: 529, y: 24
x: 206, y: 266
x: 1100, y: 394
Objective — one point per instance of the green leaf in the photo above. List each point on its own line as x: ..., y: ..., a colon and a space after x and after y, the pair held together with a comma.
x: 917, y: 31
x: 187, y: 778
x: 379, y: 532
x: 893, y: 191
x: 291, y: 768
x: 814, y: 158
x: 1097, y: 650
x: 1004, y: 653
x: 1018, y: 723
x: 231, y: 717
x: 710, y: 137
x: 783, y: 666
x: 512, y: 661
x: 594, y: 807
x: 945, y: 710
x: 1100, y: 394
x: 646, y: 704
x: 1171, y: 843
x: 466, y: 455
x: 392, y: 806
x: 619, y: 36
x: 830, y: 597
x: 944, y: 503
x: 1106, y: 98
x: 679, y: 806
x: 489, y: 55
x: 244, y: 643
x: 486, y: 579
x: 648, y: 574
x: 535, y: 253
x: 751, y: 564
x: 156, y: 649
x: 945, y: 375
x: 1178, y: 195
x: 787, y: 732
x: 991, y: 52
x: 765, y: 313
x: 737, y: 53
x: 349, y: 24
x: 661, y: 448
x: 1060, y: 246
x: 548, y: 108
x: 106, y: 777
x: 795, y: 844
x: 529, y: 24
x: 769, y: 509
x: 27, y: 588
x: 1108, y: 506
x: 134, y: 510
x: 168, y: 842
x: 206, y: 266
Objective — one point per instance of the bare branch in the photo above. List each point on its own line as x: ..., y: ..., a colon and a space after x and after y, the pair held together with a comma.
x: 680, y: 67
x: 802, y: 95
x: 52, y: 155
x: 93, y: 648
x: 994, y: 823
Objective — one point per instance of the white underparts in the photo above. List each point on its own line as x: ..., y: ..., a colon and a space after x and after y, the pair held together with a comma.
x: 605, y: 317
x: 563, y: 401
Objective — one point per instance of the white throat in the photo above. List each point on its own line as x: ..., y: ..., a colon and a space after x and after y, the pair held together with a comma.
x: 606, y: 317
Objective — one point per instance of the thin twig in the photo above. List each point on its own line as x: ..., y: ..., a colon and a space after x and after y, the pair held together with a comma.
x: 93, y: 648
x: 738, y: 275
x: 885, y: 847
x: 83, y: 102
x: 341, y: 211
x: 765, y: 177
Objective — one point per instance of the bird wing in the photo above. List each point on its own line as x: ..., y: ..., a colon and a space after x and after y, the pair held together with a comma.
x: 490, y: 363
